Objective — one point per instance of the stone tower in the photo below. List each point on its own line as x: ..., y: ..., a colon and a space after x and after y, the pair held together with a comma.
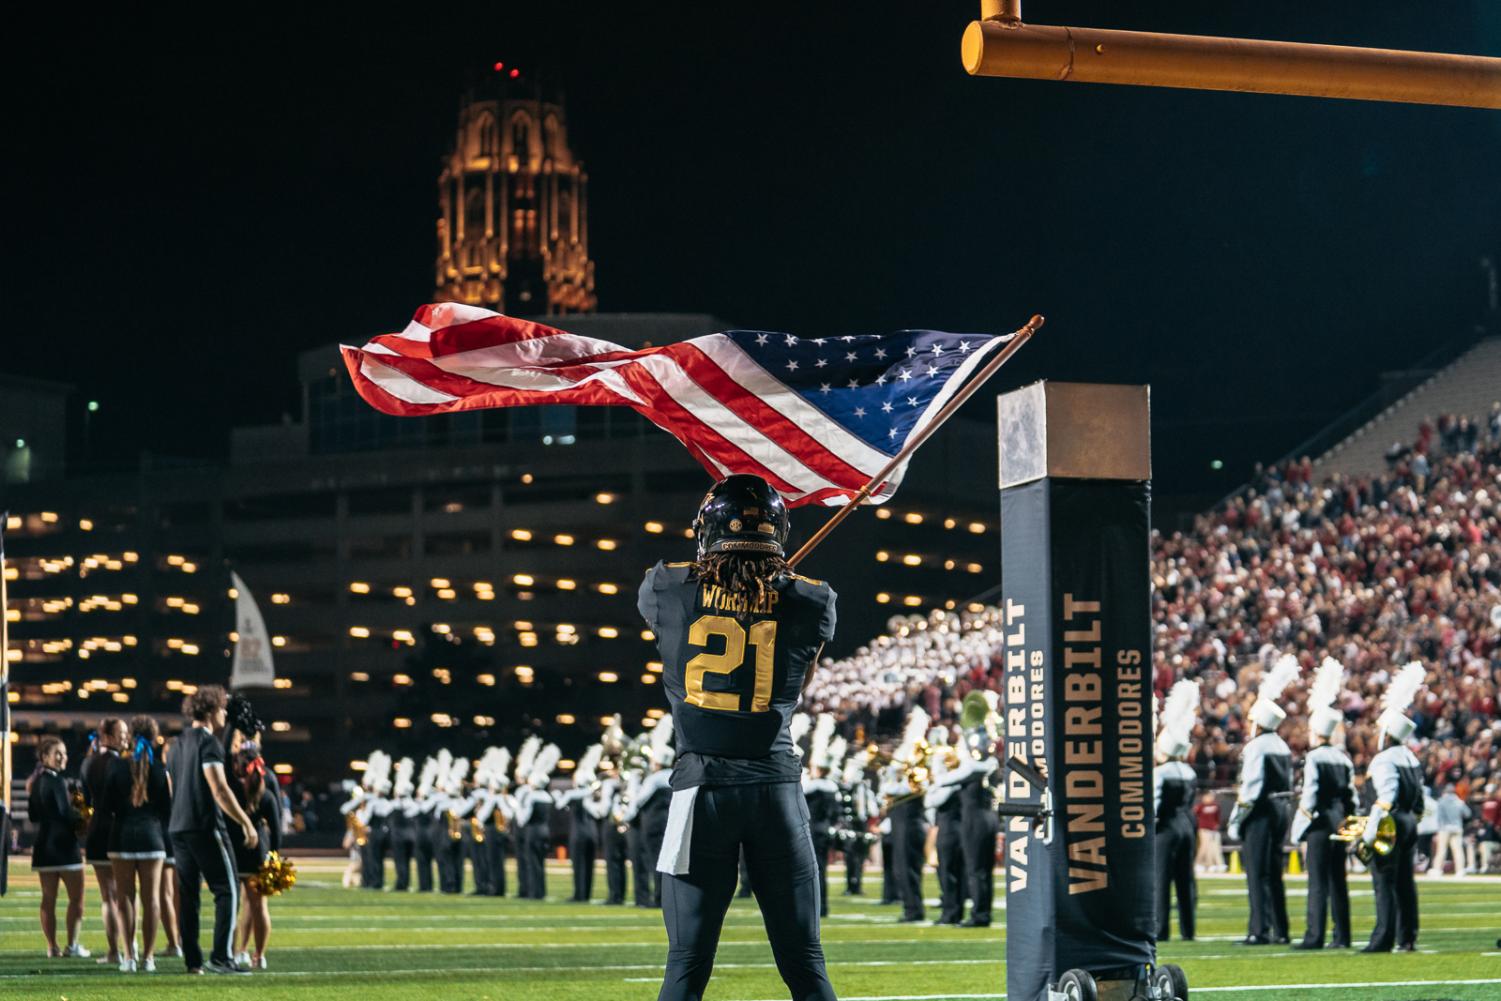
x: 513, y: 225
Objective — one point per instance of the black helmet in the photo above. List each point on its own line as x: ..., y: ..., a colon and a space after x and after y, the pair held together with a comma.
x: 742, y: 514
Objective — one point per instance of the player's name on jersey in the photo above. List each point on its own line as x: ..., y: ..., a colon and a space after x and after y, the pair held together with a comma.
x: 712, y: 596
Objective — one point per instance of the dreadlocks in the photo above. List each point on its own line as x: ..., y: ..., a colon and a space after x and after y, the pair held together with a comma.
x: 741, y: 573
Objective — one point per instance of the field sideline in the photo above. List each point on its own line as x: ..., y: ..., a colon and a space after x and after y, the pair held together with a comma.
x: 387, y: 947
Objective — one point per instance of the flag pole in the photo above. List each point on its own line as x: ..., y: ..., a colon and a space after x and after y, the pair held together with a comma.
x: 1019, y: 338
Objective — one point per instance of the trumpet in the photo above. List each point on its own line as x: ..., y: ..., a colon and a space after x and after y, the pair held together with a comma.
x: 477, y: 830
x: 1353, y: 830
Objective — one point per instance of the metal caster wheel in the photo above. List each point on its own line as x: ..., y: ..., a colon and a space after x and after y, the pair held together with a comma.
x: 1077, y: 985
x: 1169, y: 983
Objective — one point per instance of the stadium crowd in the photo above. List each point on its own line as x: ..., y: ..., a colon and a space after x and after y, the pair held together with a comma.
x: 1374, y: 571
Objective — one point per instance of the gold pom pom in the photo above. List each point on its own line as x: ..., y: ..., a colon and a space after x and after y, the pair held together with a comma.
x: 276, y: 875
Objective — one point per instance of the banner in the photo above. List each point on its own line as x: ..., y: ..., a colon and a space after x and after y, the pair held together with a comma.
x: 1076, y: 615
x: 252, y: 661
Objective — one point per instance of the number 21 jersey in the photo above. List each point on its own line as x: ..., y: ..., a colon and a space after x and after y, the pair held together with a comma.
x: 734, y: 670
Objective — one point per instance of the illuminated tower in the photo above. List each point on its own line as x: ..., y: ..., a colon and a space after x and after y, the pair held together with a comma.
x: 513, y: 229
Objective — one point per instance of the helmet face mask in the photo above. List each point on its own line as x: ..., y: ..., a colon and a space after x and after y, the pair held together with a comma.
x: 742, y: 514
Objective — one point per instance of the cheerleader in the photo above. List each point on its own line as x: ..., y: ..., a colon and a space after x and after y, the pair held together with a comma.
x: 264, y: 809
x: 55, y: 856
x: 94, y: 772
x: 138, y: 798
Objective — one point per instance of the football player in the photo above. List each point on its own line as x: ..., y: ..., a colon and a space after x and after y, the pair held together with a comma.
x: 739, y: 635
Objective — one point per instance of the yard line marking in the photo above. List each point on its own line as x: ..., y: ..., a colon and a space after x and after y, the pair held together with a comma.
x: 1327, y: 987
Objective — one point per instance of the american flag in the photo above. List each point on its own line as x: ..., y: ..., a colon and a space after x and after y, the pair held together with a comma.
x: 816, y: 417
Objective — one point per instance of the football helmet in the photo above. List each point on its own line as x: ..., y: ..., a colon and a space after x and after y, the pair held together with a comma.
x: 742, y: 514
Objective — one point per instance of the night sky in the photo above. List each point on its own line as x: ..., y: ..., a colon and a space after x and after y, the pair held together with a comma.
x: 187, y: 206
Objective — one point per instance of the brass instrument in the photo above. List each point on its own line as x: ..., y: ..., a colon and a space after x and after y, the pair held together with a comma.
x: 1353, y: 830
x: 477, y: 830
x: 455, y: 826
x: 498, y: 820
x: 357, y: 827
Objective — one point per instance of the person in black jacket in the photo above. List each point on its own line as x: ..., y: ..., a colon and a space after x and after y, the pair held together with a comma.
x: 262, y: 805
x: 139, y: 800
x: 55, y: 856
x: 94, y: 772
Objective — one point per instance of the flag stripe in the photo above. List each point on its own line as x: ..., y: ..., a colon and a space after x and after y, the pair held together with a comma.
x: 817, y: 418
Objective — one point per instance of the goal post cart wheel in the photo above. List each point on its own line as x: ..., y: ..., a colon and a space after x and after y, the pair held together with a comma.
x: 1169, y: 983
x: 1076, y: 985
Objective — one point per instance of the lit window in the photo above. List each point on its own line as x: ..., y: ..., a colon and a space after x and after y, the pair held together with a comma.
x: 488, y: 680
x: 527, y: 478
x: 401, y: 723
x: 85, y: 524
x: 883, y: 513
x: 655, y: 713
x: 442, y: 628
x: 401, y: 592
x: 401, y: 679
x: 281, y: 683
x: 282, y: 769
x: 648, y: 635
x: 948, y: 564
x: 977, y: 527
x: 608, y: 632
x: 648, y: 679
x: 654, y: 527
x: 358, y: 676
x: 359, y: 632
x: 974, y: 568
x: 912, y: 559
x: 281, y: 598
x: 882, y: 556
x: 654, y: 666
x: 912, y: 518
x: 281, y: 726
x: 883, y: 598
x: 440, y: 582
x: 604, y: 498
x: 949, y: 523
x: 606, y: 544
x: 447, y: 593
x: 278, y: 641
x: 359, y: 587
x: 608, y: 588
x: 565, y: 719
x: 521, y: 534
x: 524, y: 675
x: 608, y: 677
x: 523, y: 579
x: 564, y: 584
x: 912, y: 601
x: 563, y: 539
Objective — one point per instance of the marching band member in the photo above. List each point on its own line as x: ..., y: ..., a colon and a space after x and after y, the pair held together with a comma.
x: 472, y: 827
x: 380, y: 824
x: 616, y: 844
x: 584, y: 814
x: 738, y: 607
x: 1328, y: 798
x: 652, y: 804
x: 822, y: 797
x: 534, y: 820
x: 976, y: 775
x: 1174, y: 783
x: 55, y: 854
x: 526, y: 757
x: 904, y: 809
x: 1397, y: 778
x: 498, y: 816
x: 1266, y: 767
x: 450, y: 851
x: 948, y: 811
x: 403, y: 824
x: 422, y: 811
x: 858, y: 803
x: 354, y: 835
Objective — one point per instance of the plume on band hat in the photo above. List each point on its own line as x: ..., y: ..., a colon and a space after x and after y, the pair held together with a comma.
x: 524, y: 757
x: 547, y: 759
x: 1403, y: 689
x: 1275, y: 681
x: 915, y: 730
x: 798, y: 729
x: 584, y: 773
x: 1328, y: 680
x: 661, y: 737
x: 1181, y: 710
x: 823, y: 730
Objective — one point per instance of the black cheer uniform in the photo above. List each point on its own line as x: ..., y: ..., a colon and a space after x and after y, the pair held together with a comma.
x: 1175, y: 785
x: 1328, y: 798
x: 137, y: 832
x: 733, y: 674
x: 50, y: 807
x: 265, y: 813
x: 95, y: 775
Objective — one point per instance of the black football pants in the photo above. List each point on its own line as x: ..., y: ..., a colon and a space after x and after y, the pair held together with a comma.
x: 205, y: 856
x: 1396, y: 889
x: 1328, y: 892
x: 771, y: 822
x: 1263, y: 833
x: 952, y: 887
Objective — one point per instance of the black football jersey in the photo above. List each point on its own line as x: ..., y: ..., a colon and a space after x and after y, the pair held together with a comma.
x: 733, y: 673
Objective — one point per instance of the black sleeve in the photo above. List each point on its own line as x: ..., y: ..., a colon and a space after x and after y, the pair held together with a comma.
x: 210, y: 751
x: 271, y: 810
x: 646, y: 598
x: 826, y: 624
x: 161, y: 795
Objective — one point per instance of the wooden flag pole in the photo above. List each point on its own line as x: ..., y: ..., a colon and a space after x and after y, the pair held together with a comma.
x: 1019, y: 338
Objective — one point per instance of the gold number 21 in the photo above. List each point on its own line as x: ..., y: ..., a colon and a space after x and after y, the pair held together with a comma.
x: 763, y: 637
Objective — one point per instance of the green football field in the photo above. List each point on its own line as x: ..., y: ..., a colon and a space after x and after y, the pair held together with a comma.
x: 328, y: 942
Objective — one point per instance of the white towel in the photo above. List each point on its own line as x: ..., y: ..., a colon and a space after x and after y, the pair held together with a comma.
x: 673, y: 858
